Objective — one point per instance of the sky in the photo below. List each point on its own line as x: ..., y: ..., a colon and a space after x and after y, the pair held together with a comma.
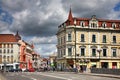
x: 37, y: 20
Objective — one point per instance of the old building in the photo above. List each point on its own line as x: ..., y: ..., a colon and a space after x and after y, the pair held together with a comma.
x: 9, y: 51
x: 36, y: 60
x: 52, y: 60
x: 26, y: 55
x: 89, y: 42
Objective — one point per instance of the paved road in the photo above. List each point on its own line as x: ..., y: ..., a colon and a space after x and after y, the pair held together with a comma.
x: 53, y: 76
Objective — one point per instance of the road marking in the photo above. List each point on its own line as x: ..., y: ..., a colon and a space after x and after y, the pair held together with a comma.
x: 56, y: 76
x: 33, y: 79
x: 28, y: 77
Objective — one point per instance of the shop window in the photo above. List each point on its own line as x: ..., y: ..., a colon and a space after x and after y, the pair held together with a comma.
x: 104, y: 64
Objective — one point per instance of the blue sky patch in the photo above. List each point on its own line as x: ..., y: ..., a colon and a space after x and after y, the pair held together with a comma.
x: 5, y: 16
x: 117, y: 7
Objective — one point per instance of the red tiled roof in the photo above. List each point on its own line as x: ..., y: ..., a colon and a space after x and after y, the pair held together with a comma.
x: 103, y: 20
x: 7, y: 38
x: 70, y: 21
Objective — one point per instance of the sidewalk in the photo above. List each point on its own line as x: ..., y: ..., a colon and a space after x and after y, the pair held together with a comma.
x: 95, y: 74
x: 101, y: 75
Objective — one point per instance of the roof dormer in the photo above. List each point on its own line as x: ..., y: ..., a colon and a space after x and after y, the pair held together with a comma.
x: 113, y: 25
x: 93, y: 23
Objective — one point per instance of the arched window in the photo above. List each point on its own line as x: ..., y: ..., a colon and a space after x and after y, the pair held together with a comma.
x: 104, y: 25
x: 113, y: 25
x: 93, y: 25
x: 82, y: 23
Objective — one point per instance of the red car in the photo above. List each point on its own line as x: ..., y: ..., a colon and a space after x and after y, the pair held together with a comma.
x: 31, y: 70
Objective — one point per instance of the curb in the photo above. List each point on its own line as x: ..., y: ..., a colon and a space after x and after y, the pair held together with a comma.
x: 103, y: 75
x: 93, y: 74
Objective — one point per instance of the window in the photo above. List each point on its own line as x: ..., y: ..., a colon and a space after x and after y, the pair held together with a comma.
x: 93, y: 25
x: 12, y: 59
x: 82, y: 51
x: 93, y: 52
x: 8, y: 51
x: 114, y: 39
x: 64, y: 52
x: 4, y: 57
x: 8, y: 46
x: 61, y: 40
x: 8, y: 58
x: 64, y: 25
x: 69, y: 51
x: 69, y: 37
x: 104, y: 38
x: 58, y: 52
x: 11, y: 51
x: 113, y: 25
x: 4, y: 51
x: 93, y: 38
x: 82, y: 24
x: 58, y: 41
x: 4, y: 45
x: 11, y: 45
x: 82, y: 38
x: 104, y: 52
x: 64, y: 39
x: 0, y: 51
x: 114, y: 53
x: 104, y: 24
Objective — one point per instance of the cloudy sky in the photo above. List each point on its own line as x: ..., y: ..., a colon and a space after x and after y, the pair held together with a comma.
x: 37, y: 20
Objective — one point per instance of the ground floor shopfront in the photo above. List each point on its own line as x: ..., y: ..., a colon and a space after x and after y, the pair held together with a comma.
x: 88, y: 63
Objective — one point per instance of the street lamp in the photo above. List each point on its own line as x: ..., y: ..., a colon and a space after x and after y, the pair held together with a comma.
x: 99, y: 51
x: 75, y: 40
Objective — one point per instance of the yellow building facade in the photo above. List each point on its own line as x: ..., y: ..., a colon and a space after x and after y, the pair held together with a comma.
x: 89, y: 42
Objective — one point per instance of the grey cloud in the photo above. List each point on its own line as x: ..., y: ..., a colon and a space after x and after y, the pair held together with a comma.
x: 42, y: 20
x: 87, y: 8
x: 46, y: 49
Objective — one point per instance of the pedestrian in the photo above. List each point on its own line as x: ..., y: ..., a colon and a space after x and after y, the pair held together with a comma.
x: 53, y: 68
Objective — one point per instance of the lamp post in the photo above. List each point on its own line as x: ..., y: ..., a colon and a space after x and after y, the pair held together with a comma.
x: 75, y: 40
x: 99, y: 51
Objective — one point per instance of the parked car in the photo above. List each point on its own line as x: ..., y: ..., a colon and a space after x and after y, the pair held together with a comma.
x: 31, y: 70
